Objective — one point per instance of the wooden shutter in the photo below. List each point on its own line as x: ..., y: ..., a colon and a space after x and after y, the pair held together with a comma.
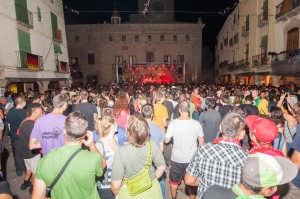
x: 292, y: 39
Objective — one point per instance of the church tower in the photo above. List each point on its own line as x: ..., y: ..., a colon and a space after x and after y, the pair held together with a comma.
x: 115, y: 17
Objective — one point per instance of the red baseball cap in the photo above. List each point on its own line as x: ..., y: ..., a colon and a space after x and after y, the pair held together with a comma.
x: 263, y: 129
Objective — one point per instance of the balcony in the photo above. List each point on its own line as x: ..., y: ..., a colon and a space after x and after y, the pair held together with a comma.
x: 232, y: 66
x: 260, y: 60
x: 286, y: 64
x: 61, y: 67
x: 245, y: 30
x: 24, y: 16
x: 29, y: 61
x: 263, y: 18
x: 243, y: 64
x: 223, y: 64
x: 287, y: 9
x: 57, y: 34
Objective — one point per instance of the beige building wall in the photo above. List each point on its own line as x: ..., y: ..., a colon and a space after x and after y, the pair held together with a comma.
x: 41, y: 42
x: 245, y: 61
x: 95, y: 39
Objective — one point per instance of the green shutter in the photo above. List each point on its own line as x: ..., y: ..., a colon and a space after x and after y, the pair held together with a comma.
x: 265, y: 5
x: 24, y: 41
x: 57, y: 49
x: 54, y: 25
x: 264, y: 42
x: 39, y: 14
x: 21, y: 11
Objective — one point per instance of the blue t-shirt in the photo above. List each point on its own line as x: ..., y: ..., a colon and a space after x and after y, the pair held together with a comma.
x: 121, y: 134
x: 156, y: 134
x: 296, y: 145
x: 278, y: 142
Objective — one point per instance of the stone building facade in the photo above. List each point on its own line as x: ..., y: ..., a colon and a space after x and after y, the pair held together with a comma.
x: 106, y: 52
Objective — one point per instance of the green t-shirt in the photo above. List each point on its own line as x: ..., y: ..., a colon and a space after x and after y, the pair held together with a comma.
x: 130, y: 160
x: 78, y: 180
x: 192, y: 109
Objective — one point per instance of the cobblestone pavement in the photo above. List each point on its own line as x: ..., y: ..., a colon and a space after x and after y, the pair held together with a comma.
x: 16, y: 181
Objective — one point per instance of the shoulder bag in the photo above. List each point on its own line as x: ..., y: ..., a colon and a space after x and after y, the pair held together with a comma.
x: 141, y: 181
x: 48, y: 189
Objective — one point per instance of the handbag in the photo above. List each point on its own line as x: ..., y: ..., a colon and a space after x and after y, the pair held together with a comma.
x: 49, y: 188
x: 141, y: 181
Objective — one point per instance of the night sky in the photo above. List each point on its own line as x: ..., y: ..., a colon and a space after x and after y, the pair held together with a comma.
x: 104, y: 8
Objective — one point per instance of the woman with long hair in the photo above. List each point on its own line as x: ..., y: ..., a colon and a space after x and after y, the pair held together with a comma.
x: 107, y: 146
x: 122, y: 111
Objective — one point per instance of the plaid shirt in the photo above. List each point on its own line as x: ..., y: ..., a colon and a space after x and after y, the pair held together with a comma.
x: 217, y: 164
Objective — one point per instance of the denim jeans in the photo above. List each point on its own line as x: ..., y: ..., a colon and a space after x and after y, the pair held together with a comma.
x: 162, y: 186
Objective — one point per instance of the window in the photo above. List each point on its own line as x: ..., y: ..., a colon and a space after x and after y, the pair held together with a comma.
x: 118, y: 59
x: 226, y: 41
x: 149, y: 38
x: 150, y: 57
x: 221, y: 46
x: 247, y: 52
x: 24, y: 41
x: 54, y: 25
x: 123, y: 37
x: 91, y: 58
x: 180, y: 58
x: 110, y: 38
x: 187, y: 37
x: 90, y: 38
x: 76, y: 39
x: 292, y: 39
x: 136, y: 38
x: 167, y: 59
x: 38, y: 10
x: 162, y: 37
x: 231, y: 42
x: 132, y: 60
x: 247, y: 22
x: 234, y: 19
x: 236, y: 38
x: 174, y: 37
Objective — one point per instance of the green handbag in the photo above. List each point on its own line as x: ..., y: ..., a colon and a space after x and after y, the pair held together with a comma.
x: 141, y: 181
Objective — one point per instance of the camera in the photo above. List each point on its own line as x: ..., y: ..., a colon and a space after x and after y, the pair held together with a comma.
x: 286, y: 95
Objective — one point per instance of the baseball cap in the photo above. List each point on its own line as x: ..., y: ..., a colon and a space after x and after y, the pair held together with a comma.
x: 263, y: 170
x: 263, y: 129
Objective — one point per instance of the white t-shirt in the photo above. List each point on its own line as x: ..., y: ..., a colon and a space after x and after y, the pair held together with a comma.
x: 185, y: 134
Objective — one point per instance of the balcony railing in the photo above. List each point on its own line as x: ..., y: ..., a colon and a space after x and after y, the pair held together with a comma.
x: 245, y: 30
x: 232, y: 66
x: 57, y: 34
x: 286, y: 64
x: 260, y: 60
x: 263, y: 18
x: 243, y: 64
x: 285, y: 7
x: 24, y: 16
x: 61, y: 66
x: 223, y: 64
x: 29, y: 61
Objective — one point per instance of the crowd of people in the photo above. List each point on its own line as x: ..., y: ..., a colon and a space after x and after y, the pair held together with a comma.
x: 124, y: 141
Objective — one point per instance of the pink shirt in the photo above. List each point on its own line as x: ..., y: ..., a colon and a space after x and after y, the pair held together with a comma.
x: 122, y: 119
